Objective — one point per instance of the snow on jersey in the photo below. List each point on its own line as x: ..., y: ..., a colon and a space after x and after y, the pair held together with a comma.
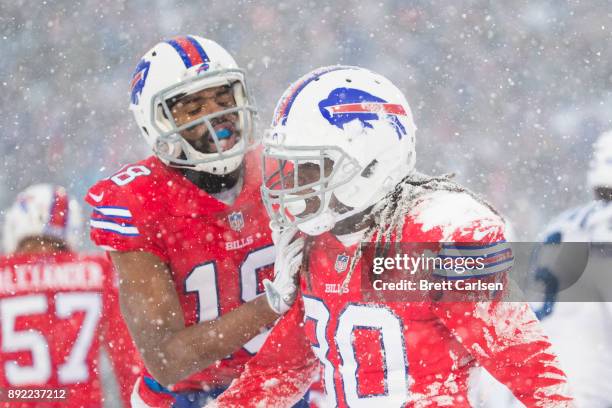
x: 56, y: 313
x: 218, y: 254
x: 397, y: 354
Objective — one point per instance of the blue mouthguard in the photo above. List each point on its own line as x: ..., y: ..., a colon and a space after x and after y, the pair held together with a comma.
x: 224, y: 134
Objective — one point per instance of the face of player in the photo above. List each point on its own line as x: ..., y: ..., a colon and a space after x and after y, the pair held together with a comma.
x: 603, y: 193
x: 205, y: 102
x: 310, y: 173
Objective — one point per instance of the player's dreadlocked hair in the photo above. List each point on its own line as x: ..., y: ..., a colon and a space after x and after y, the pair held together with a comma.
x: 304, y: 267
x: 388, y: 215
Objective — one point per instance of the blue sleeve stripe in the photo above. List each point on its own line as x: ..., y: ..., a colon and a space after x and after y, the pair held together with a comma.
x: 466, y: 246
x: 484, y: 255
x: 488, y: 252
x: 456, y: 276
x: 117, y: 212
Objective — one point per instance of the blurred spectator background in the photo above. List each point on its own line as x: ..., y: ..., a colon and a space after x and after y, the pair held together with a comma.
x: 509, y: 95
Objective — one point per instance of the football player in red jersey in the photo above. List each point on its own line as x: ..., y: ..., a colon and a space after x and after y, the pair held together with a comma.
x: 57, y: 309
x: 186, y: 227
x: 341, y: 151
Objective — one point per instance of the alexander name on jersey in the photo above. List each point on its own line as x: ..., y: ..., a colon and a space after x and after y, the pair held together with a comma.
x: 41, y: 276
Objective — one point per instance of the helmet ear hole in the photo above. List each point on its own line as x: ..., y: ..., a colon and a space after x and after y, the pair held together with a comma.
x: 144, y: 129
x: 369, y: 169
x: 169, y: 148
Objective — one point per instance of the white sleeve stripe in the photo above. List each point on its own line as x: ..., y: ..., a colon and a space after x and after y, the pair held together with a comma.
x: 114, y: 227
x: 114, y: 211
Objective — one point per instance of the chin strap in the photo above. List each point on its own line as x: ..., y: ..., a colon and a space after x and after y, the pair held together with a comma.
x: 213, y: 183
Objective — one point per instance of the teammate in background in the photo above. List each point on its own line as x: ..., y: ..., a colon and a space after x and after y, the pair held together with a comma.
x: 58, y: 308
x: 186, y: 227
x: 341, y: 156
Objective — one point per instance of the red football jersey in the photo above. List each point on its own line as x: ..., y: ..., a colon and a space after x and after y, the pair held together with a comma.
x: 394, y: 354
x: 218, y: 253
x: 56, y: 312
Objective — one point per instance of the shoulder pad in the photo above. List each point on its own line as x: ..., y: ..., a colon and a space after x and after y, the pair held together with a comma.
x: 458, y: 216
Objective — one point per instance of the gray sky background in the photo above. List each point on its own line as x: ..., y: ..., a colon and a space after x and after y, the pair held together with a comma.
x: 509, y: 95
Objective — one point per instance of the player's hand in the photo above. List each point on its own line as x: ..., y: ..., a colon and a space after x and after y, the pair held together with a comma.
x: 289, y: 252
x: 277, y: 231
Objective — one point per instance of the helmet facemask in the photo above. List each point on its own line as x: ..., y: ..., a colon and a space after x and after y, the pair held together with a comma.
x: 177, y: 151
x: 299, y: 183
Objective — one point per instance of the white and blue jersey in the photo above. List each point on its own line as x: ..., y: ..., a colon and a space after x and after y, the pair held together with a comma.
x: 581, y: 332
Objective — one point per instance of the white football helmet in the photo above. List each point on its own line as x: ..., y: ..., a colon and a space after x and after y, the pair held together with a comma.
x: 356, y: 126
x: 600, y: 170
x: 43, y: 210
x: 185, y: 65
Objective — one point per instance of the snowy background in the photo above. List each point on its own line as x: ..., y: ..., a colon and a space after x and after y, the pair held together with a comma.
x: 510, y: 95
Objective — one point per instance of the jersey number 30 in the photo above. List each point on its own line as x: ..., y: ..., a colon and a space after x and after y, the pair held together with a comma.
x: 361, y: 317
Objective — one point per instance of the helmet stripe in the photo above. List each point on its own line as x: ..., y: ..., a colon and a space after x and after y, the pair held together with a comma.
x: 194, y: 56
x: 198, y: 48
x: 58, y: 216
x: 181, y: 52
x: 282, y: 111
x: 187, y: 51
x: 388, y: 108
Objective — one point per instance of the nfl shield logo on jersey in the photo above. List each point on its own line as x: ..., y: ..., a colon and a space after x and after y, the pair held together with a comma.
x: 341, y: 263
x: 236, y: 220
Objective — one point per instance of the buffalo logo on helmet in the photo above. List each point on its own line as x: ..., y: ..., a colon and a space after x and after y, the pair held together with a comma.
x: 344, y: 105
x: 138, y: 80
x: 203, y: 67
x: 341, y: 263
x: 236, y: 220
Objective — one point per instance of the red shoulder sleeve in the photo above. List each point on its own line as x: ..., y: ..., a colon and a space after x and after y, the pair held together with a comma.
x: 121, y: 220
x: 116, y: 338
x: 281, y: 372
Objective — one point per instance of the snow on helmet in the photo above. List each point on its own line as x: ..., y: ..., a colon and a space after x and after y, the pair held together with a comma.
x: 182, y: 66
x: 355, y: 126
x: 43, y: 210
